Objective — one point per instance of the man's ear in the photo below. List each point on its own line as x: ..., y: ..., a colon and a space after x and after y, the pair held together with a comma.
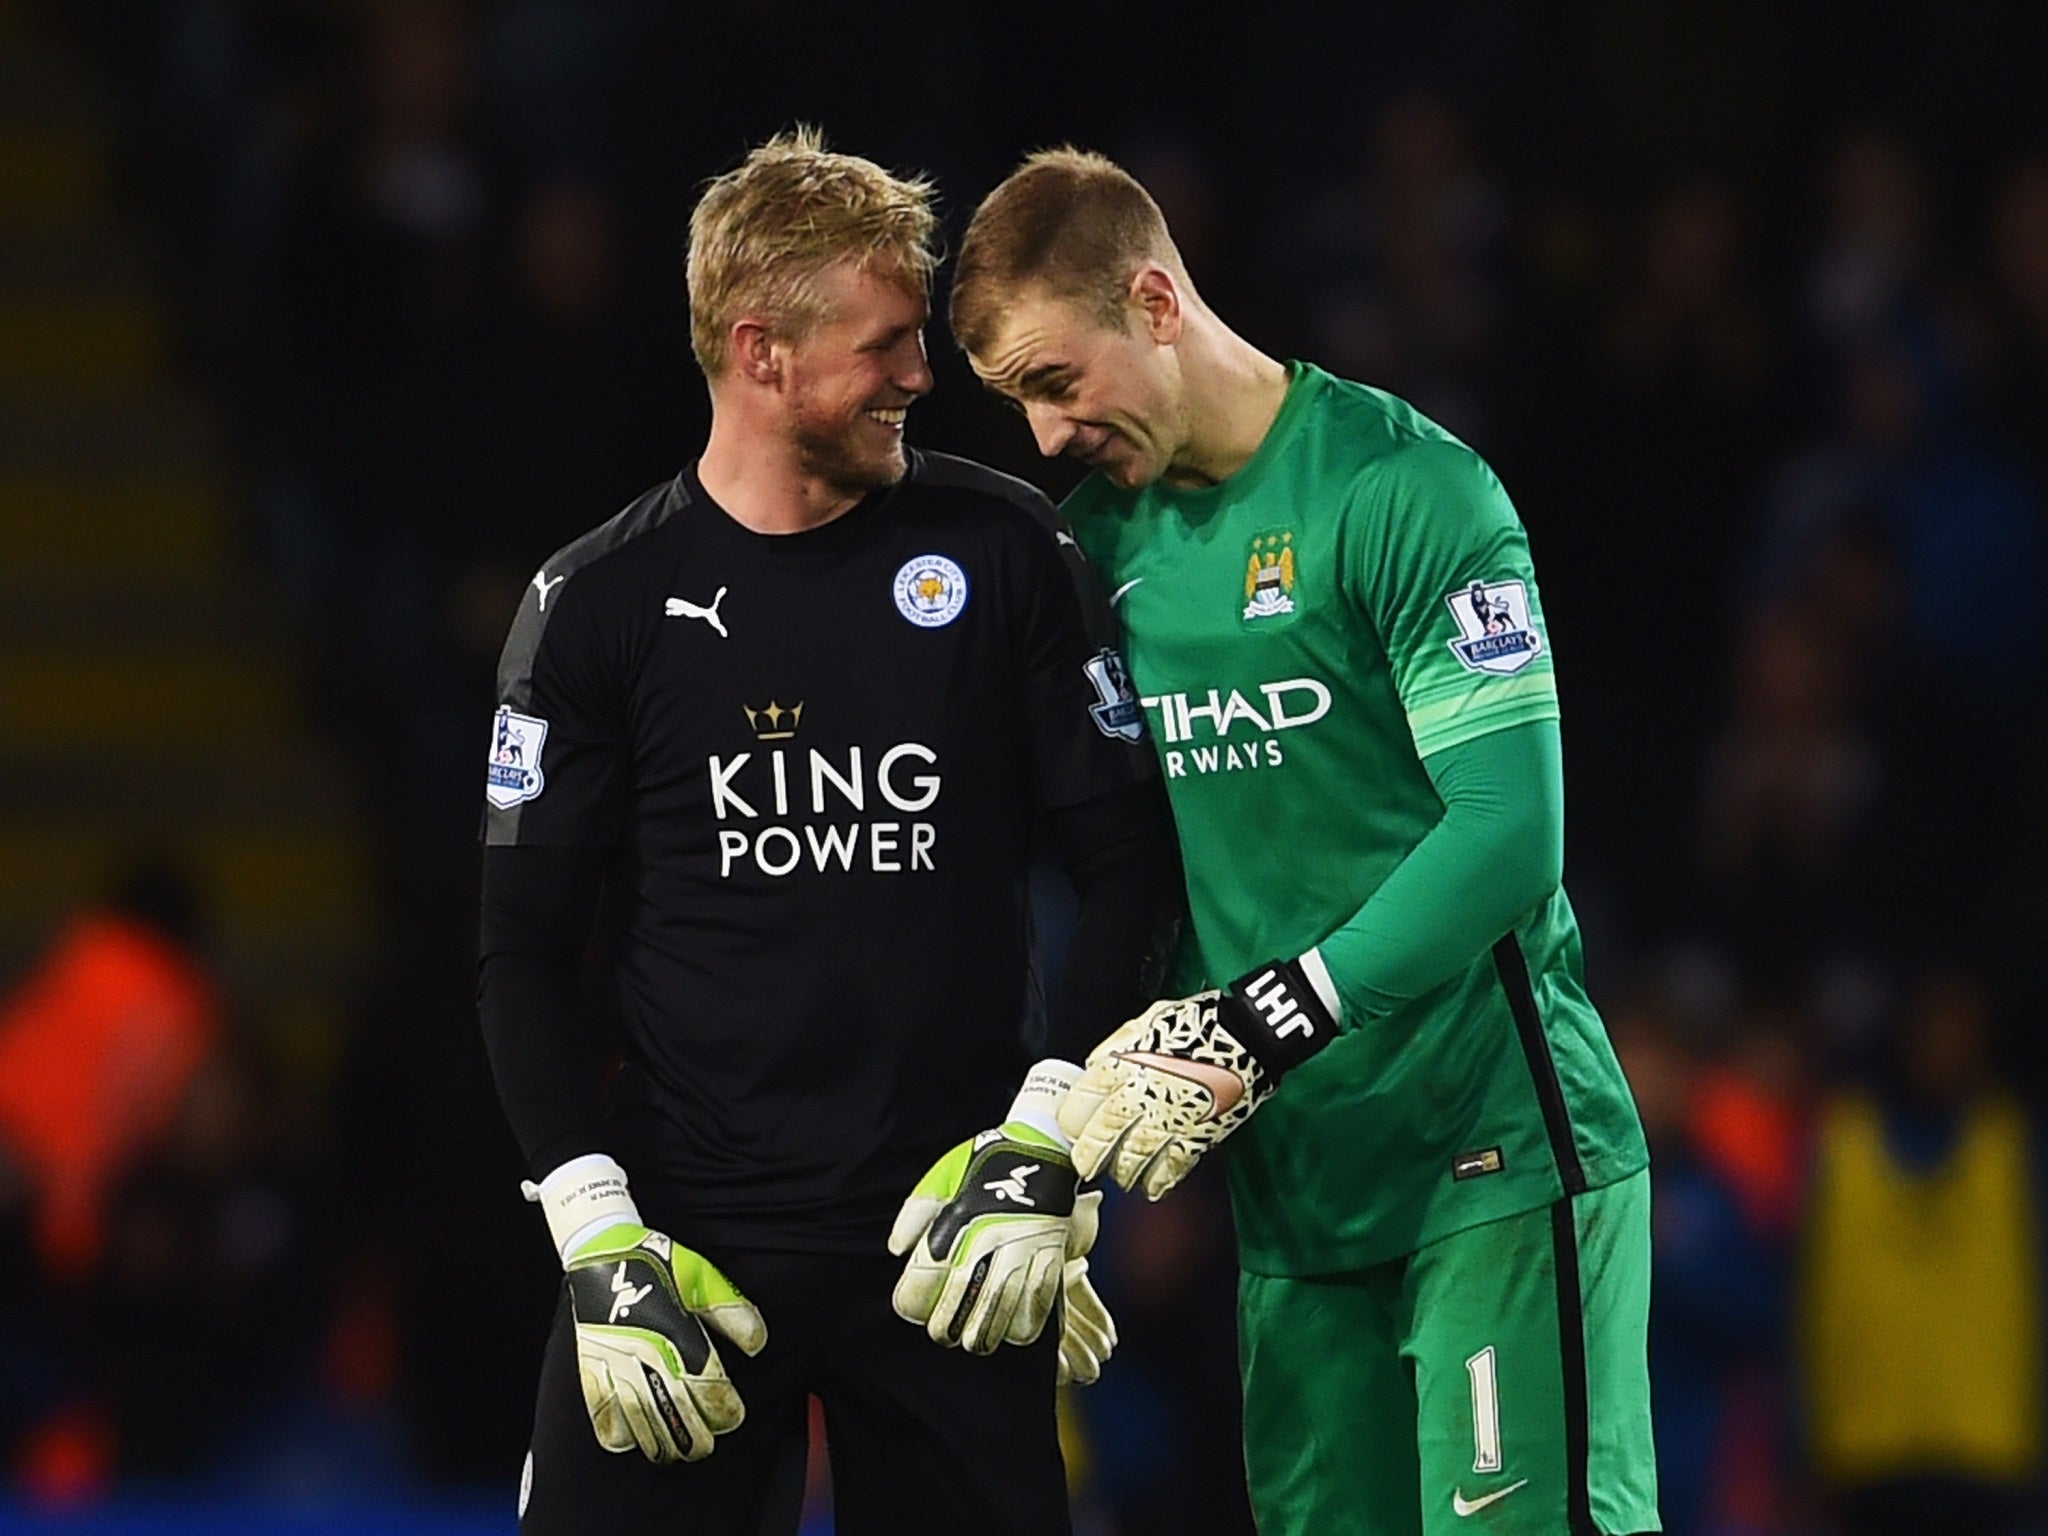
x: 1157, y: 294
x: 753, y: 352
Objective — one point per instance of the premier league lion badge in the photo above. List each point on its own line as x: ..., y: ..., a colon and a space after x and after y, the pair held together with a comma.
x: 1498, y: 635
x: 514, y: 773
x: 1117, y: 711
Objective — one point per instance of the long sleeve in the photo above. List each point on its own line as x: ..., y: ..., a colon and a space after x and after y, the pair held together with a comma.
x: 536, y: 916
x: 1498, y: 851
x: 1119, y: 851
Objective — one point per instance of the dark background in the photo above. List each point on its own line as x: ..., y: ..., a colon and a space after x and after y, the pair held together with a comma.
x: 323, y: 323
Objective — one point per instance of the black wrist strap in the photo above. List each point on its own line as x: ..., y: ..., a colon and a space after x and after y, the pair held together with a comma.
x: 1275, y: 1013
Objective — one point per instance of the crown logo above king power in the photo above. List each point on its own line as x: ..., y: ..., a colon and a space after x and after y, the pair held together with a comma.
x: 773, y: 722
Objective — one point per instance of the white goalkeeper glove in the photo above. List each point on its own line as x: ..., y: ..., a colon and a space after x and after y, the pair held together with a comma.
x: 989, y: 1229
x: 652, y: 1379
x: 1087, y: 1332
x: 1166, y: 1087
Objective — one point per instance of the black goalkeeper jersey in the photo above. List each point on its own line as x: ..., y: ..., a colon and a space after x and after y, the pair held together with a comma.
x: 813, y: 762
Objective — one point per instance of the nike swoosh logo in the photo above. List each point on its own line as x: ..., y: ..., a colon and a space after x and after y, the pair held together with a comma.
x: 1224, y: 1086
x: 1118, y: 595
x: 1461, y: 1506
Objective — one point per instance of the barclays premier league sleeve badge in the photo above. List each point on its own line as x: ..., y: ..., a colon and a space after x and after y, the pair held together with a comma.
x: 1497, y: 635
x: 1116, y: 712
x: 514, y: 773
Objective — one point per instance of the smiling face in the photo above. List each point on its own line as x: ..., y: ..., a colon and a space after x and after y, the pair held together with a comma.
x: 850, y: 378
x: 1109, y: 397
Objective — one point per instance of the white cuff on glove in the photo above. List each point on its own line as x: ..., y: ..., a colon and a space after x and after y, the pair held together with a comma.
x: 581, y: 1198
x: 1038, y: 1102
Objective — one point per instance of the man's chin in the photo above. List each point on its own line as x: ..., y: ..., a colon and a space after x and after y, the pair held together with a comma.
x: 1127, y: 474
x: 885, y: 473
x: 1122, y: 464
x: 856, y: 474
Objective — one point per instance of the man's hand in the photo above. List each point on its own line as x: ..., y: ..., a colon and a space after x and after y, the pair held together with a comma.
x: 989, y: 1229
x: 642, y: 1304
x: 652, y: 1378
x: 1173, y: 1082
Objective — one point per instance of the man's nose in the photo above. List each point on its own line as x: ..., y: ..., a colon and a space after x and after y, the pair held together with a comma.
x: 914, y: 372
x: 1050, y: 427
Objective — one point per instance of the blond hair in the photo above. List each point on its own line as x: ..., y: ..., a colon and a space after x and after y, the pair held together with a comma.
x: 1068, y: 224
x: 763, y: 233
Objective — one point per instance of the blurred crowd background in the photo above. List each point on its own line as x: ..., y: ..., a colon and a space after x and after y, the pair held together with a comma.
x: 322, y: 322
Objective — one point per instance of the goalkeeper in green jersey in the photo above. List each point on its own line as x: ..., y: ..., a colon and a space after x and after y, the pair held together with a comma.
x: 1438, y: 1177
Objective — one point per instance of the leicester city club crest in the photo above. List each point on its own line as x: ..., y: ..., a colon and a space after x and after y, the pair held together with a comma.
x: 1497, y: 634
x: 1269, y: 576
x: 514, y: 773
x: 930, y: 591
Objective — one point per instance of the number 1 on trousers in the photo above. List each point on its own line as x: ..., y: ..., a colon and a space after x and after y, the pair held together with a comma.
x: 1485, y: 1411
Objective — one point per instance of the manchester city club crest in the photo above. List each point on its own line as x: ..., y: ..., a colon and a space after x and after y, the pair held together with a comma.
x: 1269, y: 576
x: 514, y: 773
x: 1498, y: 635
x: 930, y: 591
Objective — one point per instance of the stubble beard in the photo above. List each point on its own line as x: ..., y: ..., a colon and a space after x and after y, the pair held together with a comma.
x: 833, y: 454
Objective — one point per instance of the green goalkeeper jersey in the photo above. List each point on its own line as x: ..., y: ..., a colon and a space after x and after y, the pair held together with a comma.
x: 1356, y: 598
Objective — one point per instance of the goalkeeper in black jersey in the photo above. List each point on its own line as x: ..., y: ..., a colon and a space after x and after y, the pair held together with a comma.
x: 787, y: 727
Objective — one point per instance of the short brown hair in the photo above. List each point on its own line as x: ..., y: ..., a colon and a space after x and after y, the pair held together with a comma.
x: 1069, y: 223
x: 763, y: 232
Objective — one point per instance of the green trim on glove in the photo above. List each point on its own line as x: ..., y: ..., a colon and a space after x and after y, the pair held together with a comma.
x: 985, y: 1233
x: 652, y: 1379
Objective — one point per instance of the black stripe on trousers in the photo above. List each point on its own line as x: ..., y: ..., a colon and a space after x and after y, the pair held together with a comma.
x: 1557, y: 1124
x: 1571, y: 1330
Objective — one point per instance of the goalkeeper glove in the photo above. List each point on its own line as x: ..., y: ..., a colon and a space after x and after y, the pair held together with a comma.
x: 989, y: 1230
x: 651, y: 1376
x: 1087, y: 1332
x: 1173, y: 1082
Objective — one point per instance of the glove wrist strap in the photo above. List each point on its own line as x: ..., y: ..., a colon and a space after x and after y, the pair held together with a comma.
x: 1322, y: 984
x: 1038, y: 1102
x: 581, y: 1198
x: 1278, y: 1013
